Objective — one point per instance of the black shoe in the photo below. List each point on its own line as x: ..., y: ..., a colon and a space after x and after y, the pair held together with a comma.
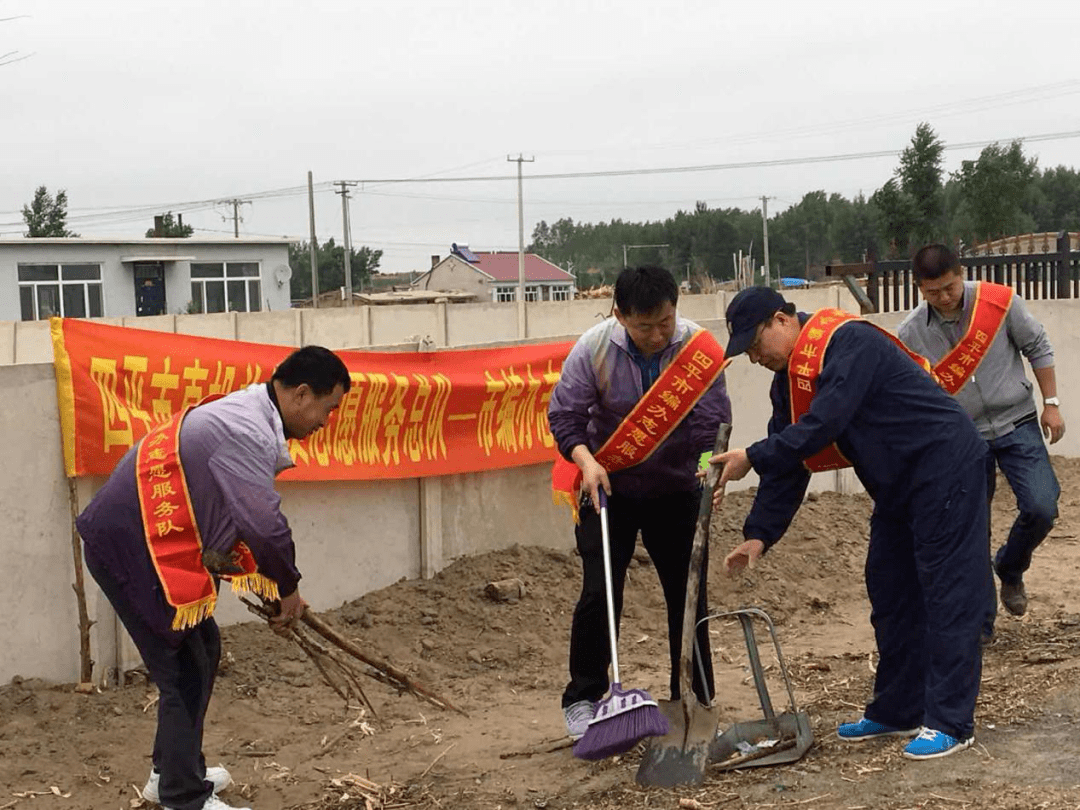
x: 1014, y: 598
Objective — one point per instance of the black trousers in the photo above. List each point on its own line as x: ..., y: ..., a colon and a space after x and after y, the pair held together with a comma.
x: 926, y: 574
x: 667, y: 525
x: 184, y: 676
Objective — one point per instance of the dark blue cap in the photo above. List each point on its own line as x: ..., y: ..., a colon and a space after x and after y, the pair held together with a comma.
x: 747, y: 309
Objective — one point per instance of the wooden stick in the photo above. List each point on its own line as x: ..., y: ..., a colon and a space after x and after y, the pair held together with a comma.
x: 440, y: 756
x: 330, y: 634
x: 548, y: 747
x: 86, y: 663
x: 386, y: 672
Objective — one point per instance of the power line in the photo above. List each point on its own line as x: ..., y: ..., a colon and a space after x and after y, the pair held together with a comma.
x: 713, y: 167
x: 121, y: 214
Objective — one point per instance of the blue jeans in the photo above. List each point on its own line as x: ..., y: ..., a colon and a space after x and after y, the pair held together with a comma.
x: 1023, y: 459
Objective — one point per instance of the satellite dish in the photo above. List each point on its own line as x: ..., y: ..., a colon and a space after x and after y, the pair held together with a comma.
x: 282, y: 274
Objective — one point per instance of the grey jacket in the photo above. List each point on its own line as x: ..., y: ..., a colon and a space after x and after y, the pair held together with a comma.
x: 231, y: 449
x: 998, y: 395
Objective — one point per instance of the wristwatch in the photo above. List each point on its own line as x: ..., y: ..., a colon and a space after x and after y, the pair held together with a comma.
x: 1052, y: 401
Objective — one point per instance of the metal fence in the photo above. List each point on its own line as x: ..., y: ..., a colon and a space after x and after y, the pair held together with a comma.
x: 891, y: 286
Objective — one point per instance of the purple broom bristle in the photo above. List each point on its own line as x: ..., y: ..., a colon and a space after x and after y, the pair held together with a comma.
x: 625, y: 725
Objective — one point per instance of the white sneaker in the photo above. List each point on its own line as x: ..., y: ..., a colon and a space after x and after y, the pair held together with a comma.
x: 577, y: 716
x: 219, y: 777
x: 214, y: 803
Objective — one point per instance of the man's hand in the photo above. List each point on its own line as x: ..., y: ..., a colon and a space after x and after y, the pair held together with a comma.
x: 1053, y: 423
x: 291, y: 609
x: 593, y: 476
x: 743, y: 556
x: 736, y: 466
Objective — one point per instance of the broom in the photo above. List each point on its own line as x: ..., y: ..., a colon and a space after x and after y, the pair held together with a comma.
x: 626, y: 716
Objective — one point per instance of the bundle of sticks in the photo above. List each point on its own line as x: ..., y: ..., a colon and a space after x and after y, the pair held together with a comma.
x: 343, y: 662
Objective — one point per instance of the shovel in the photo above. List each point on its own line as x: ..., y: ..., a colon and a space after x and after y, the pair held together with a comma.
x: 680, y: 756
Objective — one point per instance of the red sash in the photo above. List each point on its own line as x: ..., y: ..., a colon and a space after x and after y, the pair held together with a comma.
x: 667, y: 402
x: 804, y: 367
x: 992, y: 302
x: 172, y: 535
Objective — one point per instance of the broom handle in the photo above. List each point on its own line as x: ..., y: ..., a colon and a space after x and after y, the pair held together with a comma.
x: 608, y: 587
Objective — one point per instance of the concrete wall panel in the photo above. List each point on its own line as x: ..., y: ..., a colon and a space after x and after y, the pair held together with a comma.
x: 479, y: 509
x: 336, y: 328
x: 40, y: 625
x: 221, y: 325
x: 279, y: 328
x: 33, y: 342
x: 399, y: 324
x: 469, y: 324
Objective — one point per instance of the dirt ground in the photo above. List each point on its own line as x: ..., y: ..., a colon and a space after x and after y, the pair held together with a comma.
x: 291, y: 742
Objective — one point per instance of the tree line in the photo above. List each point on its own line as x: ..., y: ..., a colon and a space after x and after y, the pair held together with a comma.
x: 1001, y: 193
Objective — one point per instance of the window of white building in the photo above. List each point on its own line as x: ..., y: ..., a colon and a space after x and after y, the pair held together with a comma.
x: 225, y: 287
x: 560, y: 292
x: 505, y: 295
x: 64, y: 290
x: 532, y: 293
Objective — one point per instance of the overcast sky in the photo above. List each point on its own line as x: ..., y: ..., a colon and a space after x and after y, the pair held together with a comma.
x: 137, y: 106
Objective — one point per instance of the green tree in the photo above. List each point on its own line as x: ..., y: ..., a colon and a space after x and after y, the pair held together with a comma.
x: 1057, y: 200
x: 855, y: 228
x: 997, y: 192
x: 331, y: 267
x: 172, y: 228
x: 47, y: 215
x: 920, y: 176
x: 896, y: 216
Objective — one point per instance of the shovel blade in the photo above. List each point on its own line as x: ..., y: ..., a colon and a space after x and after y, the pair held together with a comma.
x: 680, y: 756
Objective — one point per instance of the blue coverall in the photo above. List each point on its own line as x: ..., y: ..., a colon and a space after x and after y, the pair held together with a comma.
x: 923, y: 462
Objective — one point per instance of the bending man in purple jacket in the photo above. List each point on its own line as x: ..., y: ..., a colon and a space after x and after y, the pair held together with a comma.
x: 607, y: 372
x: 230, y: 451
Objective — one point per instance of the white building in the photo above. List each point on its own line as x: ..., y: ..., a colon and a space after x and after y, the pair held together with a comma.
x: 493, y: 276
x: 89, y: 278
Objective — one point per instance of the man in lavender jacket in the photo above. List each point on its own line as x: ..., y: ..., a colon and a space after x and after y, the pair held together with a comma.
x: 231, y: 450
x: 607, y: 372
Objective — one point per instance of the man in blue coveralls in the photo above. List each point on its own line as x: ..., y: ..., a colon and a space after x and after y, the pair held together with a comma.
x: 868, y: 403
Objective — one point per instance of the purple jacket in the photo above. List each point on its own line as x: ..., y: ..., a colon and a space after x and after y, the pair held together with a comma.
x: 600, y: 385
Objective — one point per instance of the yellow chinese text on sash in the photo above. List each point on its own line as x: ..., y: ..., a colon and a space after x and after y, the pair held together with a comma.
x: 992, y: 302
x: 804, y: 367
x: 667, y: 402
x: 172, y: 534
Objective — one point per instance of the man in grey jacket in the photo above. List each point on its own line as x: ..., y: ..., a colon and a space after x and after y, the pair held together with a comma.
x: 998, y: 397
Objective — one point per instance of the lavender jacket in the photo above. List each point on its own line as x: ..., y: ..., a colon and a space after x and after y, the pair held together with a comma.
x: 231, y: 450
x: 600, y: 385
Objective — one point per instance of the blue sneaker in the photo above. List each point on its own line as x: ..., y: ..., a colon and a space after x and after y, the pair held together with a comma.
x: 867, y: 730
x: 931, y: 743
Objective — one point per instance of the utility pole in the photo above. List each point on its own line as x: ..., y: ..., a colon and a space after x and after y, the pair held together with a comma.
x: 765, y: 230
x: 523, y: 329
x: 347, y: 241
x: 313, y: 249
x: 236, y: 214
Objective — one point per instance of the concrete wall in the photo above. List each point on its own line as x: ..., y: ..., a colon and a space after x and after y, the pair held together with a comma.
x: 351, y: 537
x: 443, y: 324
x: 117, y: 278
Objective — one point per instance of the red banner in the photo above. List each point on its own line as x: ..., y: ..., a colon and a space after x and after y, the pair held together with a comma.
x: 408, y: 415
